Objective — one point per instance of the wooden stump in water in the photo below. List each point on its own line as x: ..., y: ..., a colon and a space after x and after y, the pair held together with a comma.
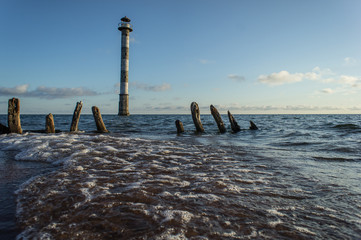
x: 218, y: 119
x: 49, y: 123
x: 253, y: 126
x: 99, y: 120
x: 196, y: 117
x: 76, y: 116
x: 14, y: 116
x: 234, y: 125
x: 179, y: 126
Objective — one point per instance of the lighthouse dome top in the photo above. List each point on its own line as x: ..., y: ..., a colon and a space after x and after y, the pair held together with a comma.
x: 125, y: 19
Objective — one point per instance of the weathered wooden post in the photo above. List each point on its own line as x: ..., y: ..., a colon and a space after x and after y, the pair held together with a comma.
x: 179, y: 126
x: 234, y: 125
x: 253, y: 126
x: 218, y: 119
x: 76, y: 116
x: 99, y: 120
x: 49, y: 123
x: 14, y: 116
x: 196, y: 117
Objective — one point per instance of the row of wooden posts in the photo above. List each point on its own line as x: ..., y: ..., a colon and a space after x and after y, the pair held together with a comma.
x: 217, y: 117
x: 14, y: 125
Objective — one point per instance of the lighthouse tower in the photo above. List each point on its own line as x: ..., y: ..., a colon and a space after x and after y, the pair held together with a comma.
x: 125, y: 27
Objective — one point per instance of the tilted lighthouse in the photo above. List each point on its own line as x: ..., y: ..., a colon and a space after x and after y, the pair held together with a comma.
x: 125, y: 27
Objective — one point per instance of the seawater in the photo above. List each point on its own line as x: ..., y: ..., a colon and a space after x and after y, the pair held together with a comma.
x: 298, y: 177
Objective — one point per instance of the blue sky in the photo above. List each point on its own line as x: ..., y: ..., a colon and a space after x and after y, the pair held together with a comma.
x: 256, y: 56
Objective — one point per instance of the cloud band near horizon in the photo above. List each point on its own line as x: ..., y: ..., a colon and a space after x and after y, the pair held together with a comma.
x: 46, y: 92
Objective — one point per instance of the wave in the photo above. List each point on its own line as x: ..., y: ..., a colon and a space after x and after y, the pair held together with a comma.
x: 348, y: 126
x: 338, y: 159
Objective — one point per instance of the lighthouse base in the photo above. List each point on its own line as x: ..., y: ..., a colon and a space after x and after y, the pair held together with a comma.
x: 123, y: 105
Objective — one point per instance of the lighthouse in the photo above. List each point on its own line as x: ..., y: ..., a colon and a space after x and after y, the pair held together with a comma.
x: 125, y: 27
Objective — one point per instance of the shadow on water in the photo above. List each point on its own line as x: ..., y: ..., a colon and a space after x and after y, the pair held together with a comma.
x: 12, y: 175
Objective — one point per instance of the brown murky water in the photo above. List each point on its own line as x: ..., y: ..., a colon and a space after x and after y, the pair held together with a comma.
x: 114, y: 186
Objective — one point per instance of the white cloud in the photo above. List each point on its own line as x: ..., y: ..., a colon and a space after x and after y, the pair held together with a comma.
x: 280, y: 78
x: 53, y: 93
x: 317, y: 74
x: 205, y: 61
x: 18, y: 90
x: 46, y: 92
x: 349, y: 61
x: 349, y: 80
x: 236, y: 78
x: 152, y: 88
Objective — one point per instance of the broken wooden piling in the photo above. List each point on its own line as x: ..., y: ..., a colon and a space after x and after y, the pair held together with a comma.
x: 196, y: 117
x: 234, y: 125
x: 179, y: 126
x: 253, y: 126
x: 99, y: 120
x: 218, y: 119
x: 76, y: 116
x: 14, y: 116
x: 49, y: 124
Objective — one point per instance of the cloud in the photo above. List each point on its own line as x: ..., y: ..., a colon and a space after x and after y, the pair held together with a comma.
x: 205, y: 61
x: 151, y: 88
x: 18, y: 90
x: 349, y: 80
x: 280, y: 78
x: 236, y: 78
x: 263, y: 108
x: 117, y: 88
x: 46, y: 92
x: 317, y: 74
x: 349, y: 61
x: 53, y: 93
x: 327, y: 90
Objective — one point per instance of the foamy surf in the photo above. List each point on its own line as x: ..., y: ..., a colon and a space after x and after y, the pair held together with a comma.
x: 188, y: 187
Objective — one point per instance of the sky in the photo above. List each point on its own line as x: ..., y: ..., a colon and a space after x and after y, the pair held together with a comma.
x: 246, y: 56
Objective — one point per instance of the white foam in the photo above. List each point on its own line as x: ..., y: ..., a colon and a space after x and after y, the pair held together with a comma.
x: 275, y: 212
x: 304, y: 230
x: 275, y: 223
x: 183, y: 216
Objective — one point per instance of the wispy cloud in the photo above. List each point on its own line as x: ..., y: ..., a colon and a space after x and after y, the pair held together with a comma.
x: 280, y: 78
x: 327, y: 90
x: 349, y: 61
x: 349, y: 80
x: 236, y: 78
x: 205, y: 61
x: 46, y: 92
x: 286, y: 108
x: 18, y: 90
x: 317, y: 74
x: 152, y: 88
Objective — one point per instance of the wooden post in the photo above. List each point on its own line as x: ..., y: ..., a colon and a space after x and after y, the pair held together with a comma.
x: 253, y: 126
x: 49, y: 123
x: 234, y: 125
x: 179, y: 126
x: 76, y: 116
x: 218, y: 119
x: 98, y: 120
x: 196, y: 117
x: 14, y: 116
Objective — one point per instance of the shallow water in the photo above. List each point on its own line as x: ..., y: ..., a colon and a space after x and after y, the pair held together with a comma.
x: 298, y: 177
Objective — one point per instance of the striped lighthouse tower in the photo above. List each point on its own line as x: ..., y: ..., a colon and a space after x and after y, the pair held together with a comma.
x: 125, y: 27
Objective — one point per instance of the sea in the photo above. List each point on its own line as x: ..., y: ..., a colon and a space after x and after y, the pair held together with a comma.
x: 297, y: 177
